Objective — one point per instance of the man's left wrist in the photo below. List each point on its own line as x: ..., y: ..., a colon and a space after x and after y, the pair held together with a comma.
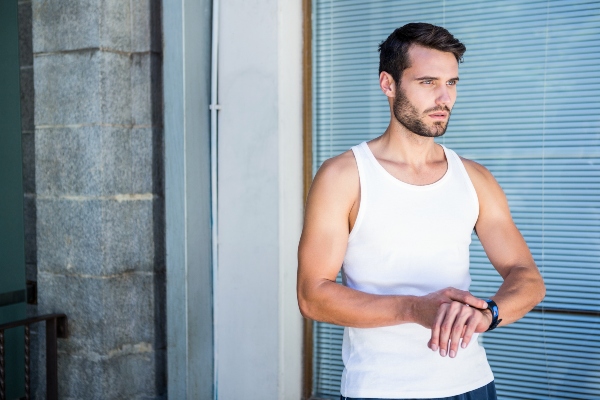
x: 488, y: 315
x: 494, y: 312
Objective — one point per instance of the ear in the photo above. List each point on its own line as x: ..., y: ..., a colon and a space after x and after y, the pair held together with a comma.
x: 387, y: 84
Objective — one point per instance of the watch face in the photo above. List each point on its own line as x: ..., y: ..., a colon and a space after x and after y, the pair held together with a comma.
x: 493, y: 308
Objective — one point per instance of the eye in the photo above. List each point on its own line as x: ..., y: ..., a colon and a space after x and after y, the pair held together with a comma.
x: 452, y: 83
x: 428, y: 82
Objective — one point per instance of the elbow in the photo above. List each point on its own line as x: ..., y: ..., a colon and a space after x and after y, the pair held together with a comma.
x: 537, y: 290
x: 309, y: 300
x: 304, y: 310
x: 304, y: 303
x: 305, y: 307
x: 542, y: 291
x: 312, y: 297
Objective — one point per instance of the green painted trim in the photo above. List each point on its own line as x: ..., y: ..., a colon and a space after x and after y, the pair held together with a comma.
x: 15, y: 297
x: 12, y: 234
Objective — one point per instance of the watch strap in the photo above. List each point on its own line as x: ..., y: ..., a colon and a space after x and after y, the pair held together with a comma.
x: 493, y: 307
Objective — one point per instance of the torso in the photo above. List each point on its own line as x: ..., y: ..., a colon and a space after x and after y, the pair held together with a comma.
x: 408, y: 239
x: 428, y: 175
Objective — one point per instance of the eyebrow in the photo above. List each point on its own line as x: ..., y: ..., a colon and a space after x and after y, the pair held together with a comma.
x: 433, y: 78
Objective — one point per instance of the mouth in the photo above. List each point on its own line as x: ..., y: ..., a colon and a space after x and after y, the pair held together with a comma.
x: 439, y: 115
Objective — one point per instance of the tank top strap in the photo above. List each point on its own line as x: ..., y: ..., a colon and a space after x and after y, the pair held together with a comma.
x: 361, y: 156
x: 451, y: 157
x: 461, y: 172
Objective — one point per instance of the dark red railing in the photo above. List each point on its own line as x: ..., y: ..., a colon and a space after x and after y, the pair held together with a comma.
x: 56, y: 327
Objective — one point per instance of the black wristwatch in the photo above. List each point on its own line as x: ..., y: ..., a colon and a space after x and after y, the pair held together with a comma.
x: 493, y: 307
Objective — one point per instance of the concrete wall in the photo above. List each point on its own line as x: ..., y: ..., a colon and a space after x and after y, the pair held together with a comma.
x: 260, y: 199
x: 93, y: 172
x: 98, y: 192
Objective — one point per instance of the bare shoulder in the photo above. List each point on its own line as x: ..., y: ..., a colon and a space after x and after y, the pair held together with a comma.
x: 333, y: 194
x: 325, y: 232
x: 341, y: 165
x: 475, y: 170
x: 492, y: 199
x: 339, y: 173
x: 481, y: 177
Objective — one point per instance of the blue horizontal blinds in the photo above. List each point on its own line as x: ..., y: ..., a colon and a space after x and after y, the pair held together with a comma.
x: 528, y: 110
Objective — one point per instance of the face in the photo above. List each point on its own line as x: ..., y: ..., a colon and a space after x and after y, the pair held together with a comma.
x: 426, y: 94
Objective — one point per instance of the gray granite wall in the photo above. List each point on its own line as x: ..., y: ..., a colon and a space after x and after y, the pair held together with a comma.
x: 96, y: 243
x: 28, y: 147
x: 28, y: 138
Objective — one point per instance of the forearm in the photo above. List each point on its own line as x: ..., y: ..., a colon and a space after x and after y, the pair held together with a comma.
x: 331, y: 302
x: 523, y: 288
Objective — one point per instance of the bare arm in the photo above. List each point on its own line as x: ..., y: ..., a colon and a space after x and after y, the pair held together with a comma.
x: 333, y: 195
x: 523, y: 287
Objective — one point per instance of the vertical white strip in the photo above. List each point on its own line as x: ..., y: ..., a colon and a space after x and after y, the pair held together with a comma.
x: 214, y: 109
x: 444, y: 26
x: 289, y: 49
x: 314, y: 100
x: 331, y: 46
x: 544, y: 187
x: 444, y: 13
x: 248, y: 201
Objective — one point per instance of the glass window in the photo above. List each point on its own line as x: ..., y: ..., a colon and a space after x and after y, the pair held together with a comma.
x: 527, y: 109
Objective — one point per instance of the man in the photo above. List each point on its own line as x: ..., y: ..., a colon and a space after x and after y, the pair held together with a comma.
x: 396, y: 214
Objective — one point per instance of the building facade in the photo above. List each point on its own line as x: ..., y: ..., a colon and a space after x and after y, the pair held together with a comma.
x: 166, y: 151
x: 109, y: 91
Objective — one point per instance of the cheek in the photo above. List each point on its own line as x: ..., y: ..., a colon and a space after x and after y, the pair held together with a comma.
x: 453, y: 97
x: 420, y: 97
x: 453, y: 92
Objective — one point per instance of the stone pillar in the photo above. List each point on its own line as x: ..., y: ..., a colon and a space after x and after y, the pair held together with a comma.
x: 99, y: 192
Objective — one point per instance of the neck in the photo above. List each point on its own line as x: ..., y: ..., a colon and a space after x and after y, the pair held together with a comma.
x: 400, y: 145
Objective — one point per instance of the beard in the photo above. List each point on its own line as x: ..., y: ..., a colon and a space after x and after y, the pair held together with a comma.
x: 408, y: 116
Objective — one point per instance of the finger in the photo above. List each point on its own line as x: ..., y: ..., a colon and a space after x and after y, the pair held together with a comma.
x: 447, y: 325
x: 434, y: 342
x: 466, y: 298
x: 469, y: 330
x: 458, y: 327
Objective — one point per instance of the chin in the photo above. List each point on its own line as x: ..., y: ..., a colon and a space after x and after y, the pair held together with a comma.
x: 439, y: 130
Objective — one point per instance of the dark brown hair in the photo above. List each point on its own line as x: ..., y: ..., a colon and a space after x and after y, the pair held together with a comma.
x: 393, y: 51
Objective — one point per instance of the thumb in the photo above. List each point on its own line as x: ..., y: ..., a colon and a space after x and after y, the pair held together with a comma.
x: 476, y: 302
x: 467, y: 298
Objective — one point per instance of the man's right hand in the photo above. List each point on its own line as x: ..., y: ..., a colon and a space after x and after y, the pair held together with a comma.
x: 452, y: 315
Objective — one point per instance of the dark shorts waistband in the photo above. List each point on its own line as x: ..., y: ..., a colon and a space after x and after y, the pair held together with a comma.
x: 487, y: 392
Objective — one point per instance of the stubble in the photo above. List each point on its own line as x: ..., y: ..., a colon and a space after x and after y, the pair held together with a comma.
x: 408, y: 115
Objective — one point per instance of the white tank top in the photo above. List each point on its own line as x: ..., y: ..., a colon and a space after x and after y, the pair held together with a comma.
x: 409, y: 240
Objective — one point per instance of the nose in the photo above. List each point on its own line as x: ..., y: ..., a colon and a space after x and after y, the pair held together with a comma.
x: 444, y: 97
